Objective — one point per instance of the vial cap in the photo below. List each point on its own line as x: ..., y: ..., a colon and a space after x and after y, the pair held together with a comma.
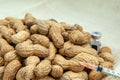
x: 96, y: 35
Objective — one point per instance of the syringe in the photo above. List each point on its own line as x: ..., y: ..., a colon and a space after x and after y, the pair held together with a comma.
x: 101, y: 69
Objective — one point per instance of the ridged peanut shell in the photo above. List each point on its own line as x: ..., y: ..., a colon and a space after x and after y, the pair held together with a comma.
x: 105, y: 49
x: 26, y: 50
x: 52, y: 52
x: 67, y: 64
x: 20, y: 37
x: 11, y: 69
x: 1, y: 72
x: 43, y: 68
x: 40, y: 39
x: 56, y: 36
x: 85, y: 57
x: 69, y: 75
x: 7, y: 32
x: 5, y: 47
x: 95, y: 75
x: 56, y: 71
x: 10, y: 56
x: 46, y: 78
x: 107, y: 57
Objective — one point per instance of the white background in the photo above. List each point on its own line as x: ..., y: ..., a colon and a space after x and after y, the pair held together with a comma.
x: 93, y: 15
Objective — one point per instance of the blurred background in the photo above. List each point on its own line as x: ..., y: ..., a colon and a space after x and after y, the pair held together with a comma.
x: 93, y: 15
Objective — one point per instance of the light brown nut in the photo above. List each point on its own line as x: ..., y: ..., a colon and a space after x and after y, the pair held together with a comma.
x: 107, y: 57
x: 65, y: 36
x: 78, y: 37
x: 43, y: 68
x: 20, y: 37
x: 66, y: 26
x: 1, y: 35
x: 56, y: 71
x: 43, y: 27
x: 66, y: 45
x: 85, y: 57
x: 4, y: 47
x: 40, y: 39
x: 52, y: 52
x: 86, y: 45
x: 67, y: 64
x: 79, y: 27
x: 4, y: 22
x: 73, y: 50
x: 1, y: 61
x: 69, y: 75
x: 108, y: 65
x: 1, y: 72
x: 9, y: 56
x: 56, y: 36
x: 105, y: 49
x: 34, y: 29
x: 27, y: 72
x: 34, y: 60
x: 25, y: 50
x: 101, y: 60
x: 7, y: 33
x: 11, y: 70
x: 29, y: 20
x: 18, y: 25
x: 95, y: 75
x: 46, y: 78
x: 11, y: 20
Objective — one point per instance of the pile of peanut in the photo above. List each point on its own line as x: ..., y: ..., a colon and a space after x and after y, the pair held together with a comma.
x: 34, y: 49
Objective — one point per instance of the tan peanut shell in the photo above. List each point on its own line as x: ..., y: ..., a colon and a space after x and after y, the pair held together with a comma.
x: 27, y: 71
x: 65, y: 36
x: 24, y: 50
x: 20, y: 37
x: 10, y: 56
x: 56, y: 71
x: 106, y: 64
x: 78, y: 27
x: 69, y: 75
x: 43, y: 68
x: 1, y: 61
x: 43, y: 27
x: 95, y: 75
x: 5, y: 47
x: 4, y: 22
x: 1, y: 72
x: 56, y: 36
x: 85, y: 57
x: 101, y: 60
x: 29, y: 20
x: 18, y: 25
x: 67, y: 64
x: 73, y: 50
x: 34, y: 29
x: 86, y: 45
x: 7, y: 32
x: 34, y: 60
x: 107, y: 57
x: 105, y: 49
x: 46, y: 78
x: 1, y: 35
x: 78, y: 37
x: 11, y: 70
x: 52, y: 52
x: 40, y: 39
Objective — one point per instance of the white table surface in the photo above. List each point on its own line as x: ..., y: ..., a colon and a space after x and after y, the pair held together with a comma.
x: 93, y: 15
